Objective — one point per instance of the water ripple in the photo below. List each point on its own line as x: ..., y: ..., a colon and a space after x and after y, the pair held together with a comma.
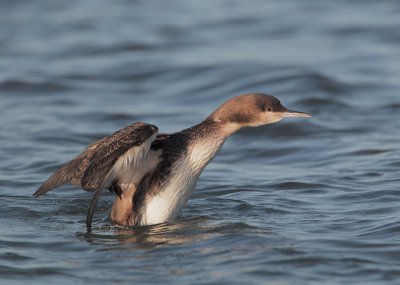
x: 29, y: 86
x: 297, y: 202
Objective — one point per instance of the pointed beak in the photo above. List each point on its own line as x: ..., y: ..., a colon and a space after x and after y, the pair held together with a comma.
x: 291, y: 113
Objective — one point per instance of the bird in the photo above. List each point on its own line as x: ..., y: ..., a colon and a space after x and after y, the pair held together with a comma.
x: 154, y: 174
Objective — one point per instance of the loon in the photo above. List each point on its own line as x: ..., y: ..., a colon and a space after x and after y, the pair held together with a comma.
x: 152, y: 174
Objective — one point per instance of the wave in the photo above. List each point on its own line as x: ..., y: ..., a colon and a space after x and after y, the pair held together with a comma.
x: 16, y: 85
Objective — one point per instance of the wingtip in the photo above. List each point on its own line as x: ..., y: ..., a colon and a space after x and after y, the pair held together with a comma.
x: 43, y: 189
x: 38, y: 192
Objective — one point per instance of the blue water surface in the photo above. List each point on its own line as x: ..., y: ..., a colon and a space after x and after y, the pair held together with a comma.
x: 313, y: 201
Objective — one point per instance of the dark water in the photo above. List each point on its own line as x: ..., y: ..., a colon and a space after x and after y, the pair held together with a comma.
x: 300, y: 202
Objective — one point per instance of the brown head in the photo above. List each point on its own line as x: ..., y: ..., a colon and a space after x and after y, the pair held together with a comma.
x: 252, y: 110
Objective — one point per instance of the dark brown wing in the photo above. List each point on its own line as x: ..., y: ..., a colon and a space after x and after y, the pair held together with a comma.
x: 97, y: 166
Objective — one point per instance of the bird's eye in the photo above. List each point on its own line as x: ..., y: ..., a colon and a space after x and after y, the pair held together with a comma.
x: 269, y: 109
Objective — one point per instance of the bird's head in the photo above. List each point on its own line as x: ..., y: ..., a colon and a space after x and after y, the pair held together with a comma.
x: 252, y: 110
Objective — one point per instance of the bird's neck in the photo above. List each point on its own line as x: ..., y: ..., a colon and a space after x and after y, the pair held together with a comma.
x: 214, y: 129
x: 206, y: 139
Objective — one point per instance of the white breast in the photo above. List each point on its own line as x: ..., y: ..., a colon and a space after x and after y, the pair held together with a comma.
x: 175, y: 193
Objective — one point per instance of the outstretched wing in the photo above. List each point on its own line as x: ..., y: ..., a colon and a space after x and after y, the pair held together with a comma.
x: 101, y: 162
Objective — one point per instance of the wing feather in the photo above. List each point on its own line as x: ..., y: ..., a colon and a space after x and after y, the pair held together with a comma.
x: 120, y: 155
x: 98, y: 165
x: 61, y: 176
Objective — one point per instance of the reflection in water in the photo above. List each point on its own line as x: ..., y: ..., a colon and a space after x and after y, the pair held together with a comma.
x: 175, y: 233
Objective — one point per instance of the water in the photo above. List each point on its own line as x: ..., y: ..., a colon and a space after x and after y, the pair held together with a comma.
x: 311, y: 201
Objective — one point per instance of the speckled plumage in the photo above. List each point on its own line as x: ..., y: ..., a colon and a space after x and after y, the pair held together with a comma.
x: 154, y: 175
x: 89, y: 168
